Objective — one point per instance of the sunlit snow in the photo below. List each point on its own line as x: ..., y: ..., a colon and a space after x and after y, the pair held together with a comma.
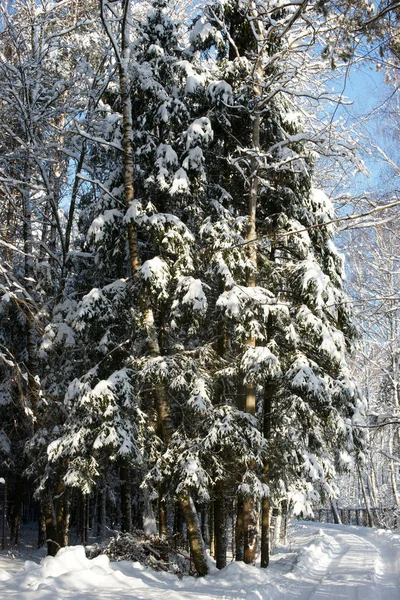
x: 320, y: 561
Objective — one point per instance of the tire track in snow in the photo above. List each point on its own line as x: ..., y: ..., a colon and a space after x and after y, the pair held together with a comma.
x: 363, y: 566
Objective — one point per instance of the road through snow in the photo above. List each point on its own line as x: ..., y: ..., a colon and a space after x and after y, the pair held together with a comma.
x: 354, y: 563
x: 321, y: 562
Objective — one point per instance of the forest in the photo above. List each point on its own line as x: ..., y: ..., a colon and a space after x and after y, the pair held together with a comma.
x: 199, y: 268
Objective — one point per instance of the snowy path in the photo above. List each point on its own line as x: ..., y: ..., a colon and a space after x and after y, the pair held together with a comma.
x: 322, y: 562
x: 355, y: 563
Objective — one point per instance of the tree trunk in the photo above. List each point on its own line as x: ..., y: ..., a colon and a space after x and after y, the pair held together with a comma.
x: 265, y: 531
x: 269, y: 389
x: 197, y: 546
x: 393, y: 481
x: 211, y: 529
x: 367, y: 508
x: 41, y: 529
x: 178, y: 520
x: 239, y: 533
x: 102, y: 512
x: 249, y: 506
x: 126, y: 499
x: 61, y: 504
x: 56, y: 515
x: 16, y: 509
x: 4, y: 523
x: 162, y: 513
x: 52, y: 546
x: 83, y: 520
x: 335, y: 512
x: 30, y: 313
x: 220, y: 515
x: 249, y: 530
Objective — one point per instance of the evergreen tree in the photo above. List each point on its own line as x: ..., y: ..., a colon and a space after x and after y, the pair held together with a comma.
x: 194, y: 330
x: 284, y: 310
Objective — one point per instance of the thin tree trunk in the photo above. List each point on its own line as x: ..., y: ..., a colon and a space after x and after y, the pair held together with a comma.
x: 367, y: 508
x: 205, y: 523
x: 83, y: 519
x: 393, y: 481
x: 249, y: 506
x: 239, y: 541
x: 126, y: 496
x: 220, y: 515
x: 102, y: 512
x: 265, y: 531
x: 16, y: 510
x: 373, y: 484
x: 211, y: 530
x: 162, y: 513
x: 178, y: 520
x: 269, y: 390
x: 335, y: 512
x: 284, y: 509
x: 4, y: 523
x: 197, y: 546
x: 31, y: 337
x: 41, y: 529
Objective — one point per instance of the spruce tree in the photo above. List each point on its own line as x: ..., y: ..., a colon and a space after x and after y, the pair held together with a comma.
x: 283, y: 307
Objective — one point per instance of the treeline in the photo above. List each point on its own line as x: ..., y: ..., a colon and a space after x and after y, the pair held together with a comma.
x: 173, y: 326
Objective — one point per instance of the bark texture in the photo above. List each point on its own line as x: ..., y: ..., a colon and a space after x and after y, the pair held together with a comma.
x: 197, y: 546
x: 220, y: 515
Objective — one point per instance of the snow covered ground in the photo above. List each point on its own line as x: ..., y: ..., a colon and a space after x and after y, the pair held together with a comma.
x: 321, y: 562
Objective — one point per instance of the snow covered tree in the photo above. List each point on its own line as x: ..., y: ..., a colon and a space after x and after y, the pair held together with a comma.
x: 374, y: 288
x: 159, y: 250
x: 175, y: 258
x: 47, y: 82
x: 285, y: 313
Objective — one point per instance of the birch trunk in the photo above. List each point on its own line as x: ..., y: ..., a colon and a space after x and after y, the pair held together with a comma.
x: 364, y: 493
x: 335, y: 512
x: 249, y: 506
x: 32, y: 363
x: 392, y: 469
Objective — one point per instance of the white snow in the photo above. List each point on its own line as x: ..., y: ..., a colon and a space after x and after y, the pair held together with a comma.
x: 321, y: 562
x: 155, y: 268
x: 194, y: 159
x: 202, y: 30
x: 199, y: 131
x: 107, y: 218
x: 180, y: 183
x: 220, y: 91
x: 200, y: 398
x: 260, y: 360
x: 194, y: 293
x: 232, y: 301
